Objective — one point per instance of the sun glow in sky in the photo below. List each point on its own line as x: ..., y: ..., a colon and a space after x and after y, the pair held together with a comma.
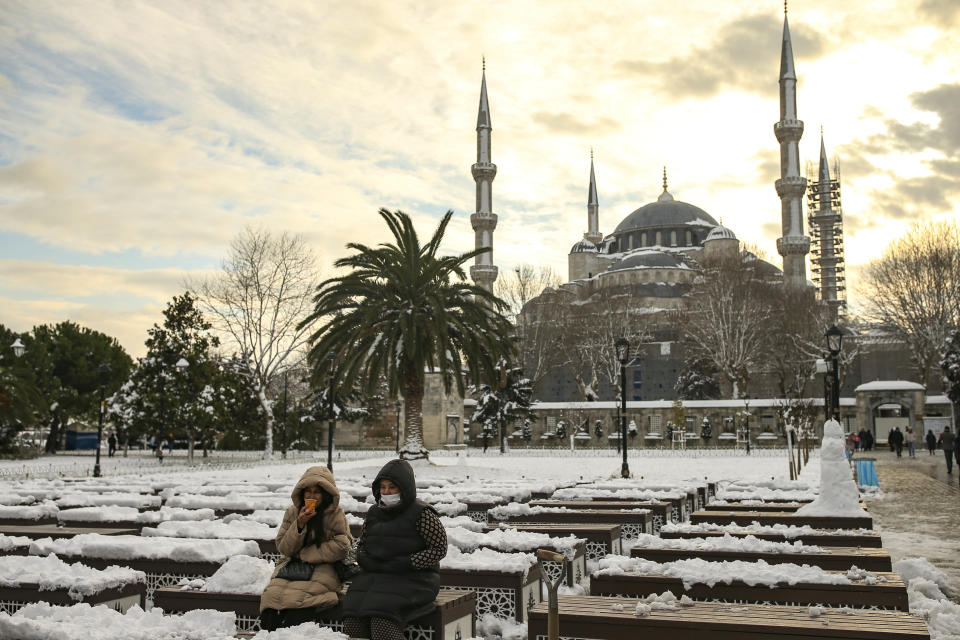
x: 137, y: 138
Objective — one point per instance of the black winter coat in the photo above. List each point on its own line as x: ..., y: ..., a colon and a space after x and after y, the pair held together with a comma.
x: 388, y: 585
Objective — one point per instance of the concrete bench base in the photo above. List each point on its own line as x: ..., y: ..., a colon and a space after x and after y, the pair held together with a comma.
x: 505, y: 595
x: 592, y: 618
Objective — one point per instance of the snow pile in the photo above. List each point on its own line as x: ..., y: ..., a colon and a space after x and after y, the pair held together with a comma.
x: 240, y: 574
x: 35, y: 512
x: 490, y: 626
x: 43, y: 621
x: 100, y: 514
x: 838, y: 491
x: 925, y: 588
x: 352, y: 505
x: 788, y: 532
x: 748, y: 544
x: 450, y: 508
x: 95, y: 545
x: 8, y: 543
x: 13, y: 498
x: 235, y: 529
x: 271, y: 517
x: 516, y: 509
x: 305, y: 631
x: 53, y: 573
x: 697, y: 571
x: 666, y: 601
x: 232, y: 502
x: 487, y: 560
x: 511, y: 540
x: 464, y: 522
x: 634, y: 495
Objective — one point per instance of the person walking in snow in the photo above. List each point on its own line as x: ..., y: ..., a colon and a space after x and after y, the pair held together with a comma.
x: 931, y: 441
x: 399, y: 552
x: 910, y: 439
x: 314, y: 530
x: 111, y: 445
x: 896, y: 439
x: 868, y: 440
x: 947, y: 443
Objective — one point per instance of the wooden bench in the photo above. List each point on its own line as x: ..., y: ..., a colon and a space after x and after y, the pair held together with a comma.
x: 477, y: 511
x: 631, y: 522
x: 28, y: 522
x: 452, y: 619
x: 891, y: 594
x: 55, y: 532
x: 602, y: 539
x: 733, y: 506
x: 160, y: 573
x: 597, y: 619
x: 119, y: 598
x: 871, y: 539
x: 782, y: 517
x: 661, y: 511
x: 832, y: 558
x: 505, y: 595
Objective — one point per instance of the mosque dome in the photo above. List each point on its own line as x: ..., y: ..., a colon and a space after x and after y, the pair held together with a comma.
x: 648, y: 259
x: 666, y: 212
x: 720, y: 233
x: 584, y: 246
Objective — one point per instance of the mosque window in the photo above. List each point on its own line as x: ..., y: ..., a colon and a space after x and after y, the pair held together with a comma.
x: 673, y: 238
x: 630, y: 241
x: 689, y: 239
x: 659, y: 239
x: 643, y: 239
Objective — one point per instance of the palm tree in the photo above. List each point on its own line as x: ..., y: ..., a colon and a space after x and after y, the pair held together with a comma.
x: 400, y: 312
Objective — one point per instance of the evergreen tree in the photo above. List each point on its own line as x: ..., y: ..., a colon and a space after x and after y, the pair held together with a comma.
x: 508, y: 402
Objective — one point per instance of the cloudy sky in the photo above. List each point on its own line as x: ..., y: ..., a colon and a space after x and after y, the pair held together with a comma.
x: 137, y: 138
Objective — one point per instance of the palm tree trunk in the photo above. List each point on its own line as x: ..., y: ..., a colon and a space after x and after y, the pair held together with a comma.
x: 413, y: 448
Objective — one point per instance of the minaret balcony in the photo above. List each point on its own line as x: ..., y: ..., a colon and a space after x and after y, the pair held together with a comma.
x: 793, y: 245
x: 481, y: 273
x: 483, y: 221
x: 484, y: 171
x: 791, y: 186
x: 788, y: 130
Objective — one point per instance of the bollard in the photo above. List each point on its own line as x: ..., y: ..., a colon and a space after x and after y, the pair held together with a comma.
x: 553, y: 606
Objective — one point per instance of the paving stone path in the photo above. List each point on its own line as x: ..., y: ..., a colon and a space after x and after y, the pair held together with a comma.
x: 918, y: 513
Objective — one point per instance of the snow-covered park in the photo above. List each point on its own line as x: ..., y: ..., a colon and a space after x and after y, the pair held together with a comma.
x: 179, y: 511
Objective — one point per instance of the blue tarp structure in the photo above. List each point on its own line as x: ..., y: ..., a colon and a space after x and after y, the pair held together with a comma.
x: 866, y: 473
x: 77, y: 440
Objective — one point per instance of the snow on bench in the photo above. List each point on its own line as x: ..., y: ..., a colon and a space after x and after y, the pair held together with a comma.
x: 44, y: 513
x: 129, y: 517
x: 602, y: 539
x: 230, y: 503
x: 28, y: 579
x: 779, y: 517
x: 512, y: 540
x: 751, y: 548
x: 115, y: 499
x: 596, y: 618
x: 14, y: 545
x: 739, y: 581
x: 804, y: 533
x: 264, y: 535
x: 43, y: 620
x: 165, y: 560
x: 632, y: 521
x: 507, y: 584
x: 662, y: 511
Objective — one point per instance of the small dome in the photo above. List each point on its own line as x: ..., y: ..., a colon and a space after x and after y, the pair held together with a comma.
x: 720, y: 233
x: 584, y: 246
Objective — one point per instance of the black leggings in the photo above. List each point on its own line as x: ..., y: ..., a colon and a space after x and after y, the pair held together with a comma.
x: 272, y: 619
x: 372, y: 628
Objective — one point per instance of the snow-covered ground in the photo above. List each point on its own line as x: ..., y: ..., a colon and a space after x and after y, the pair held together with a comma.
x: 245, y: 480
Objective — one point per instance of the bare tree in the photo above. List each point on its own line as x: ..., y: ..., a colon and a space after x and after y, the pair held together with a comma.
x: 725, y: 322
x: 262, y: 293
x: 915, y: 289
x: 525, y: 283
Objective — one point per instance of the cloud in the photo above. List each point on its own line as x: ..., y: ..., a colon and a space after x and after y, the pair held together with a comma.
x: 741, y: 57
x: 943, y: 13
x: 567, y: 123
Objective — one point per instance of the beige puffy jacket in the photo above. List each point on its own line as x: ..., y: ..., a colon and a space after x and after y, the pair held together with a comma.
x: 322, y: 590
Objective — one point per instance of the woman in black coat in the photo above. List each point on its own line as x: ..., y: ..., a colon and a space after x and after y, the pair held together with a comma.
x: 399, y: 552
x: 931, y: 441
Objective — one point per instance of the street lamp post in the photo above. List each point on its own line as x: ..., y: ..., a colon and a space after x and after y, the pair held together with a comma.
x: 399, y: 405
x: 332, y: 360
x: 18, y: 348
x: 834, y: 344
x: 103, y: 371
x: 622, y: 346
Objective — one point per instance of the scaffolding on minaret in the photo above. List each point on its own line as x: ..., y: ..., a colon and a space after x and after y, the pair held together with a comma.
x: 825, y: 219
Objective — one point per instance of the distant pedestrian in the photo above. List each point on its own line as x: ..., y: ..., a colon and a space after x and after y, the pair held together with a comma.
x: 111, y: 445
x: 910, y: 438
x: 896, y: 439
x: 160, y: 454
x: 947, y: 443
x: 931, y: 441
x: 867, y: 440
x: 890, y: 439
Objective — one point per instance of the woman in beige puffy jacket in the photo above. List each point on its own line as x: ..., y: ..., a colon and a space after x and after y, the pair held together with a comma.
x: 317, y: 535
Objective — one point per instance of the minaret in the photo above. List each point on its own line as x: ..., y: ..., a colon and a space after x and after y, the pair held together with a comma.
x: 593, y: 209
x: 793, y: 245
x: 484, y: 221
x: 826, y: 225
